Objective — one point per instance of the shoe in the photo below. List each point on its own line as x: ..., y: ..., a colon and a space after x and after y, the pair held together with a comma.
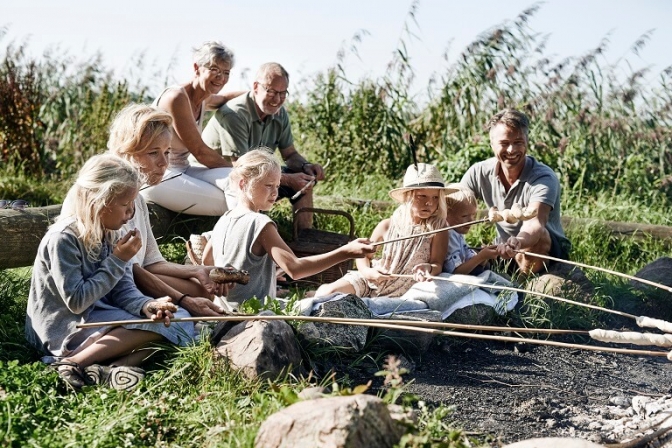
x: 125, y: 378
x: 117, y: 377
x: 71, y: 373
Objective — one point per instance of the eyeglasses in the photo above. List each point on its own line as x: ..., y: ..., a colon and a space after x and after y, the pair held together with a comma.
x: 272, y: 92
x: 217, y: 72
x: 19, y: 204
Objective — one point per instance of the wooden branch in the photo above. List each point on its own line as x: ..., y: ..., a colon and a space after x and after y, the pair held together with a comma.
x: 423, y: 324
x: 382, y: 324
x: 431, y: 232
x: 525, y: 291
x: 597, y: 268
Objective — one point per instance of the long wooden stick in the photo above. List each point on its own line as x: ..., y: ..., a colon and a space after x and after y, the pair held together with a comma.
x: 431, y: 232
x: 510, y: 288
x: 378, y: 324
x: 391, y: 322
x: 608, y: 271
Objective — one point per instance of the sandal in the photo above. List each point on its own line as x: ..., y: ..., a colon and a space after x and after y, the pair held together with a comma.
x: 117, y: 377
x: 71, y: 373
x: 125, y: 378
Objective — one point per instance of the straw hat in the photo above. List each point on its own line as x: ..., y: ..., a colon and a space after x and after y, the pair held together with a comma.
x: 425, y: 176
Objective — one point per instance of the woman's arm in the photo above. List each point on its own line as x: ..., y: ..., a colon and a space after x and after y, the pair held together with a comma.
x: 177, y: 104
x: 216, y: 101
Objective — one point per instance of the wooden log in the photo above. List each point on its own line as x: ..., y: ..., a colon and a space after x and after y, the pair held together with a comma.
x: 619, y: 229
x: 22, y: 230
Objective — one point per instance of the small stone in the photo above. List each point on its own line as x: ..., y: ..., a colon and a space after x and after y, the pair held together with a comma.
x: 620, y: 400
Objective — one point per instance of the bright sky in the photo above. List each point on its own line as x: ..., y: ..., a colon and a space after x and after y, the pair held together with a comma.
x: 305, y: 35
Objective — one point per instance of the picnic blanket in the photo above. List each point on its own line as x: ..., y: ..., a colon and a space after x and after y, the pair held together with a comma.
x: 438, y: 295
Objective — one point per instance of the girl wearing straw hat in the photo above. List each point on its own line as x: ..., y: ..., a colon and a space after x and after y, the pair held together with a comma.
x: 422, y: 209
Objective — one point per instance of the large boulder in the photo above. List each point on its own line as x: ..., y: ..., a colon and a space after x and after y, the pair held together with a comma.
x: 261, y: 348
x: 657, y: 302
x: 350, y: 338
x: 356, y: 421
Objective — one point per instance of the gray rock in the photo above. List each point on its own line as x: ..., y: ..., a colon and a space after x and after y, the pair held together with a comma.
x: 357, y: 421
x: 473, y: 315
x: 659, y: 301
x: 563, y: 280
x: 350, y: 338
x: 411, y: 342
x: 261, y: 348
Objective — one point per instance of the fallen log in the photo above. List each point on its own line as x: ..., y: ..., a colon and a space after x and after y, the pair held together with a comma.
x: 618, y: 229
x: 22, y: 230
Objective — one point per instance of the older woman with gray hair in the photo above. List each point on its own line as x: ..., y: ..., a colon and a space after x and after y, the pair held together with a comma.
x: 198, y: 188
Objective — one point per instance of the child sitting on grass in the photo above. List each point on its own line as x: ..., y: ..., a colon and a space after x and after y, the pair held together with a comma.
x: 422, y: 209
x: 247, y: 239
x: 460, y: 258
x: 82, y: 274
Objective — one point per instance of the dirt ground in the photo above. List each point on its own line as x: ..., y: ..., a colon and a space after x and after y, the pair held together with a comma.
x: 506, y: 392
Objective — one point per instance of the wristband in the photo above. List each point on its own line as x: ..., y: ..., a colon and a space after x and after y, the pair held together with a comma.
x: 177, y: 302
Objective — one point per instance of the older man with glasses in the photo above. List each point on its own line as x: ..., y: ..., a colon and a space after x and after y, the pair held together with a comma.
x: 259, y: 120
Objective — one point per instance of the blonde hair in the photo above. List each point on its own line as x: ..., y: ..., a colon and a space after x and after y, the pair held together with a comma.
x: 462, y: 195
x: 102, y: 178
x: 135, y: 128
x: 438, y: 219
x: 253, y: 166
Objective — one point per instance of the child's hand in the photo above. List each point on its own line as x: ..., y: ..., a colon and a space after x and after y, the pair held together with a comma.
x: 359, y: 247
x: 422, y: 272
x: 489, y: 252
x: 158, y: 309
x: 375, y: 275
x: 128, y: 245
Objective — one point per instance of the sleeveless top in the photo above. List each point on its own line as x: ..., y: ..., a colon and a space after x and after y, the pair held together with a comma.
x: 401, y: 256
x: 232, y: 240
x: 179, y: 154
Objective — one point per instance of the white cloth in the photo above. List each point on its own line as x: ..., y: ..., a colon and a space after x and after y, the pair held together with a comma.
x: 439, y: 295
x: 198, y: 191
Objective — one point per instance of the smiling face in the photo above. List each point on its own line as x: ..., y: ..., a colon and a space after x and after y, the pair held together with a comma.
x: 425, y: 203
x: 269, y: 97
x: 120, y: 210
x: 460, y: 213
x: 214, y: 76
x: 262, y: 193
x: 154, y: 160
x: 510, y: 147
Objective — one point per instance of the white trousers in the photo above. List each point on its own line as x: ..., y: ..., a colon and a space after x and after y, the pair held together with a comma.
x: 198, y: 191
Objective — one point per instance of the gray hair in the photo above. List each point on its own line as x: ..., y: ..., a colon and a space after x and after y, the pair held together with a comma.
x: 212, y: 53
x: 511, y: 118
x: 271, y: 70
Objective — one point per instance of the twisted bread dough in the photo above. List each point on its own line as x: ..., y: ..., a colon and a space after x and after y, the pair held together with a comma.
x: 632, y: 337
x: 512, y: 216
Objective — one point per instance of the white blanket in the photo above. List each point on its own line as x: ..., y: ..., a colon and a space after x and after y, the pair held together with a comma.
x: 439, y: 295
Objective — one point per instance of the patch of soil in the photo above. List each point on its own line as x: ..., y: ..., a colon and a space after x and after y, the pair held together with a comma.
x: 505, y: 392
